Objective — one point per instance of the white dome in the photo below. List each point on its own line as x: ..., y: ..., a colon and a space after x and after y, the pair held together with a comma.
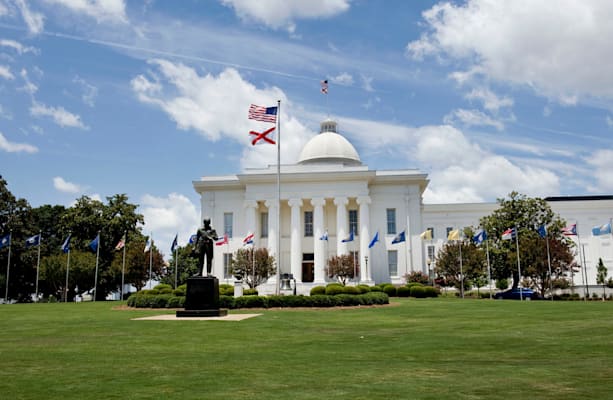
x: 329, y: 146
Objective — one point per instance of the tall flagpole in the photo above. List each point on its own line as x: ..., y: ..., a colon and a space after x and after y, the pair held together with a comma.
x: 489, y: 269
x: 461, y: 270
x: 278, y: 197
x: 97, y: 258
x: 67, y: 272
x: 123, y: 265
x: 549, y: 267
x: 176, y: 263
x: 151, y: 262
x: 40, y: 239
x: 8, y: 268
x: 521, y: 296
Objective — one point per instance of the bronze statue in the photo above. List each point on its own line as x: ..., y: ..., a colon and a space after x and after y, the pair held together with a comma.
x: 205, y: 237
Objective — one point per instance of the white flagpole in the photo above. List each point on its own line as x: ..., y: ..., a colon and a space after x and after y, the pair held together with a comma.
x: 40, y: 239
x: 521, y: 296
x: 67, y: 272
x: 8, y: 268
x: 123, y: 265
x: 549, y: 266
x: 176, y: 263
x: 461, y: 270
x: 97, y: 258
x: 489, y: 269
x: 278, y: 255
x: 151, y: 262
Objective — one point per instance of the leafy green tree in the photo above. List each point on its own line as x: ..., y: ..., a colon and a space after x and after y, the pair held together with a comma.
x: 81, y: 274
x: 253, y: 274
x: 342, y: 268
x: 473, y: 266
x: 187, y: 266
x: 601, y: 276
x: 137, y: 264
x: 527, y: 215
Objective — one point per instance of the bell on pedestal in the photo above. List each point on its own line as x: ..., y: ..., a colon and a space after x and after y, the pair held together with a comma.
x: 285, y: 281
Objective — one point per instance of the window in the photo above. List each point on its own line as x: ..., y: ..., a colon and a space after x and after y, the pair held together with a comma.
x: 227, y: 224
x: 449, y: 229
x: 391, y: 221
x: 431, y: 232
x: 264, y: 225
x: 392, y: 262
x: 356, y: 263
x: 227, y: 264
x: 308, y: 223
x: 431, y: 254
x: 353, y: 222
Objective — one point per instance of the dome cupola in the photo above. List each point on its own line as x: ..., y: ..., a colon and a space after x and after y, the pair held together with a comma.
x: 329, y: 147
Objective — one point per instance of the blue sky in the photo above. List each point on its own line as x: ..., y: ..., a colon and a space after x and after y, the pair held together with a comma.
x: 143, y: 97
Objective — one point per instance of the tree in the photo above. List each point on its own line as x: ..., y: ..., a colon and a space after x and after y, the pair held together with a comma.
x: 187, y: 266
x: 254, y: 274
x: 81, y: 275
x: 342, y: 267
x: 527, y: 215
x: 474, y: 263
x: 601, y: 276
x: 137, y: 264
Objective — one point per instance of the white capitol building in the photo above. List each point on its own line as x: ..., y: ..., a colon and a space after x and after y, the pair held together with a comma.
x: 330, y: 191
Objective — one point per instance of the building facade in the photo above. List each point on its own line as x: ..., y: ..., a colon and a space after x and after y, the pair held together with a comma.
x: 330, y: 197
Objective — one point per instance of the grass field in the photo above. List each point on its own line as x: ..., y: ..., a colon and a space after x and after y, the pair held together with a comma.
x: 413, y: 349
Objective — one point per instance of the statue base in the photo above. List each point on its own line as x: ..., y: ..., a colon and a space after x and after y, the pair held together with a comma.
x: 202, y: 298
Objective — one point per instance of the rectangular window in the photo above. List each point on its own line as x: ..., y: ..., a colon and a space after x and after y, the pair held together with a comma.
x: 391, y: 221
x: 392, y: 262
x: 227, y: 264
x: 308, y: 223
x: 228, y: 219
x: 431, y: 232
x: 431, y: 254
x: 264, y: 225
x: 355, y: 255
x: 353, y: 222
x: 449, y: 229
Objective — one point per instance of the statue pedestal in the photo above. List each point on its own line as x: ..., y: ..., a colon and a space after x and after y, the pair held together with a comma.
x: 202, y: 298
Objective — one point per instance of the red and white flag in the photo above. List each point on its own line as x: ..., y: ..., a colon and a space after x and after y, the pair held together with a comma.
x: 223, y: 240
x: 324, y: 86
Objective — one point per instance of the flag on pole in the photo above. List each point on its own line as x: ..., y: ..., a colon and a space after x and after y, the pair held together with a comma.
x: 94, y: 243
x: 33, y: 241
x: 263, y: 114
x: 602, y: 229
x: 324, y: 236
x: 453, y: 234
x: 509, y: 234
x: 324, y: 86
x: 121, y: 243
x: 399, y: 238
x: 222, y: 240
x: 147, y: 245
x: 480, y: 236
x: 374, y: 240
x: 542, y: 231
x: 248, y: 239
x: 349, y: 239
x: 66, y: 244
x: 262, y: 137
x: 426, y: 235
x: 5, y: 241
x: 174, y: 244
x: 192, y: 239
x: 570, y: 230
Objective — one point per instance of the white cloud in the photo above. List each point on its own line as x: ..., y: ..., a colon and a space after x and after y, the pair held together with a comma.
x: 472, y: 118
x: 18, y: 47
x: 281, y: 13
x: 522, y: 42
x: 367, y: 83
x: 5, y: 72
x: 609, y: 121
x: 209, y: 105
x: 28, y: 87
x: 11, y: 147
x: 59, y: 115
x: 602, y: 163
x: 167, y: 216
x: 343, y: 79
x: 34, y: 20
x: 490, y: 100
x: 113, y: 11
x: 66, y: 187
x: 90, y: 92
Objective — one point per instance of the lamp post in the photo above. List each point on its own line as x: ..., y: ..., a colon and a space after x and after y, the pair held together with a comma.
x: 366, y: 266
x: 430, y: 274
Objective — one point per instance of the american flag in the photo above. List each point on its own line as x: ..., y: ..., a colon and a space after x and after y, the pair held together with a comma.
x: 264, y: 114
x: 324, y: 86
x: 570, y: 230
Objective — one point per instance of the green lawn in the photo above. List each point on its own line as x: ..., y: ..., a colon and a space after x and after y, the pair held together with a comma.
x: 414, y: 349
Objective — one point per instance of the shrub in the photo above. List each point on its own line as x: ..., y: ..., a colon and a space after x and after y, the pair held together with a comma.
x: 351, y: 290
x: 162, y: 286
x: 226, y: 301
x: 149, y: 291
x: 332, y: 290
x: 411, y: 284
x: 417, y: 277
x: 348, y: 299
x: 249, y: 292
x: 363, y: 288
x: 390, y: 290
x: 376, y: 288
x: 317, y: 290
x: 431, y: 291
x: 418, y: 292
x: 251, y: 302
x: 176, y: 302
x: 403, y: 291
x: 373, y: 298
x: 321, y: 300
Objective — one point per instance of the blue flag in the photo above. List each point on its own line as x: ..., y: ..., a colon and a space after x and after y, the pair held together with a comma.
x: 94, y: 243
x: 66, y: 244
x: 173, y: 246
x: 5, y: 241
x: 602, y: 229
x: 374, y: 240
x: 324, y: 236
x: 349, y: 239
x: 33, y: 241
x: 399, y: 238
x: 192, y: 239
x: 542, y: 231
x: 480, y: 237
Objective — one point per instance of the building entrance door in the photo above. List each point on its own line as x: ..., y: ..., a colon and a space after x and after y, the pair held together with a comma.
x: 308, y: 267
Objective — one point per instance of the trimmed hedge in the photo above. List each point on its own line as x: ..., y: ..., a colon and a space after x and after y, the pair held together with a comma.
x: 318, y: 290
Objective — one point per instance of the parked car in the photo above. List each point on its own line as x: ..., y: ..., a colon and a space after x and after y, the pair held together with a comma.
x: 514, y: 294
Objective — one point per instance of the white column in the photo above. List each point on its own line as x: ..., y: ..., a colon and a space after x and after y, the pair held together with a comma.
x: 319, y: 246
x: 272, y: 230
x: 249, y: 226
x: 363, y: 202
x: 295, y: 240
x: 414, y: 246
x: 341, y: 225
